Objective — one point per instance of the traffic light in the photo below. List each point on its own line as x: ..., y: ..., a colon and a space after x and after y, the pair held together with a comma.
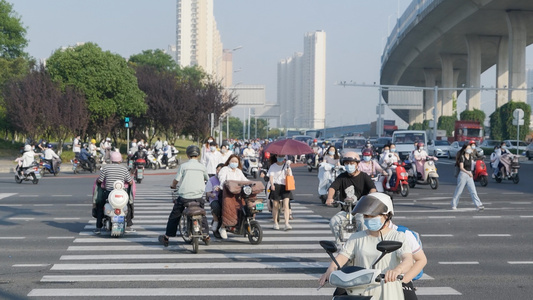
x: 127, y: 122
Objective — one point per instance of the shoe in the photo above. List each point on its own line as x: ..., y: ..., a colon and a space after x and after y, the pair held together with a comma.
x: 387, y: 186
x: 163, y: 240
x: 97, y: 231
x: 129, y: 229
x: 288, y: 227
x: 480, y: 208
x: 214, y: 226
x: 454, y: 208
x: 223, y: 233
x: 275, y: 227
x: 493, y: 176
x: 290, y: 217
x: 207, y: 240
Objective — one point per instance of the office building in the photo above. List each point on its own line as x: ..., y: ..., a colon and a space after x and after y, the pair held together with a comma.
x: 302, y: 85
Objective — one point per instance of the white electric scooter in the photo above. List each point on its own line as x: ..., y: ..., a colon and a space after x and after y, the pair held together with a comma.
x: 116, y: 209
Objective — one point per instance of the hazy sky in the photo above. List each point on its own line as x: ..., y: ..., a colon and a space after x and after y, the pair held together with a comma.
x: 267, y: 30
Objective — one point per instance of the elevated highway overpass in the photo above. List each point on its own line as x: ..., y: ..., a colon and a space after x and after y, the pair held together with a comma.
x: 449, y: 43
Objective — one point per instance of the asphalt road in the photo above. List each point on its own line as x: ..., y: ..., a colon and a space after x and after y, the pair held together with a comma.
x: 48, y: 251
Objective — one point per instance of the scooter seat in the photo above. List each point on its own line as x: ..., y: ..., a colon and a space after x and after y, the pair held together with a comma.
x: 194, y: 211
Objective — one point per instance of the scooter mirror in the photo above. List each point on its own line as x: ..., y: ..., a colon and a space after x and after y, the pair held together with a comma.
x: 388, y: 246
x: 329, y: 246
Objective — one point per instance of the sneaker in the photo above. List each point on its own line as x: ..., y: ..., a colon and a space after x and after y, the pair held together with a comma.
x: 288, y: 227
x: 275, y: 227
x: 223, y: 233
x: 454, y: 208
x: 163, y: 240
x: 387, y: 186
x: 290, y: 217
x: 97, y: 231
x: 493, y: 176
x: 480, y: 208
x: 214, y: 226
x: 129, y: 229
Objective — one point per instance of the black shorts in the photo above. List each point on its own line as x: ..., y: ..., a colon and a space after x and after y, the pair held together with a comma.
x: 280, y: 193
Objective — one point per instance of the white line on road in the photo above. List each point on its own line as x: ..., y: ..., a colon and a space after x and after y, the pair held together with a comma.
x: 520, y: 262
x: 182, y: 246
x: 519, y: 203
x: 237, y: 238
x: 526, y: 216
x: 21, y: 218
x: 192, y: 266
x: 99, y: 257
x: 177, y: 277
x: 487, y: 217
x: 436, y: 291
x: 494, y: 235
x: 67, y: 218
x: 437, y: 235
x: 458, y: 262
x: 5, y: 195
x: 60, y: 237
x: 43, y: 205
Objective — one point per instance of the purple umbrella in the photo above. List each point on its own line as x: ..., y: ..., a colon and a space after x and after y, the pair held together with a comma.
x: 288, y: 147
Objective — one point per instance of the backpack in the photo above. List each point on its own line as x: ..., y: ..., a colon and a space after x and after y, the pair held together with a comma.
x: 417, y: 236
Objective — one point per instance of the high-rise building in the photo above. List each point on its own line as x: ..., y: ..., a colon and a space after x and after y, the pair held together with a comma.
x: 197, y: 38
x: 302, y: 85
x: 530, y: 86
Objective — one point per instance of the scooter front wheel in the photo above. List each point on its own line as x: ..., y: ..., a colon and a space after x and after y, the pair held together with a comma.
x: 255, y: 233
x: 404, y: 190
x: 433, y: 183
x: 483, y: 180
x: 516, y: 179
x: 34, y: 179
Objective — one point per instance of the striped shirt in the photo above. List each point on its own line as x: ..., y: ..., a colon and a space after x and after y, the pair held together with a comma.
x: 113, y: 172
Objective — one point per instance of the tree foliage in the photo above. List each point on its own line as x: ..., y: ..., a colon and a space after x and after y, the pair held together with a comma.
x: 473, y: 115
x: 12, y: 33
x: 105, y: 79
x: 37, y: 107
x: 419, y: 126
x: 155, y: 58
x: 501, y: 121
x: 447, y: 123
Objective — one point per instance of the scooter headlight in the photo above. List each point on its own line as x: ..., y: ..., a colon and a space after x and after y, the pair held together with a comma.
x: 357, y: 281
x: 247, y: 190
x: 431, y: 163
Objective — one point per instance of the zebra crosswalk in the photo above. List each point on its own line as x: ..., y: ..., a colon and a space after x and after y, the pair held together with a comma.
x: 286, y: 264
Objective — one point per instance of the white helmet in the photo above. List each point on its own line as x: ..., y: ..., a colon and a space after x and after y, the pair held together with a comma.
x: 165, y: 143
x: 108, y: 139
x: 27, y: 148
x: 374, y: 204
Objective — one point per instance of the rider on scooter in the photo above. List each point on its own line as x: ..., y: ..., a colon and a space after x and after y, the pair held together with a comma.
x: 139, y: 154
x: 51, y: 157
x: 84, y: 156
x: 420, y: 156
x: 352, y: 179
x: 387, y: 161
x: 246, y: 153
x: 24, y: 162
x: 370, y: 166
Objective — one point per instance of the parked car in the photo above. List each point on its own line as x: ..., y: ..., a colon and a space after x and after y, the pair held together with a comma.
x: 438, y: 148
x: 511, y: 145
x: 456, y: 146
x: 529, y: 151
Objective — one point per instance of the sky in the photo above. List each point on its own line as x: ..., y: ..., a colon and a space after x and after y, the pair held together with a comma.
x: 267, y: 30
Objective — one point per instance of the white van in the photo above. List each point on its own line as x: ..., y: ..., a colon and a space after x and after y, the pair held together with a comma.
x: 405, y: 140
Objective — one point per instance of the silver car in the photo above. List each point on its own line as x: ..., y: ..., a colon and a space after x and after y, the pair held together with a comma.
x: 456, y: 146
x: 439, y: 148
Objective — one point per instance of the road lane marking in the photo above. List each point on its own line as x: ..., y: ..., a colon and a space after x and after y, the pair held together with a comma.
x: 520, y: 262
x: 192, y: 266
x: 98, y: 257
x: 519, y: 203
x: 43, y: 205
x: 526, y: 216
x: 183, y: 246
x: 178, y: 277
x: 436, y: 291
x: 486, y: 217
x: 5, y: 195
x: 60, y: 237
x: 234, y: 238
x: 458, y: 262
x: 67, y: 218
x: 21, y: 218
x: 437, y: 235
x: 494, y: 235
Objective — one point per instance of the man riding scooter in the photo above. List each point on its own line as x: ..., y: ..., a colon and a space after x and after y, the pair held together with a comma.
x: 85, y: 158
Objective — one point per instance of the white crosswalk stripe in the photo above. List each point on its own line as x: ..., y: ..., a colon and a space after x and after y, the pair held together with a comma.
x: 285, y: 265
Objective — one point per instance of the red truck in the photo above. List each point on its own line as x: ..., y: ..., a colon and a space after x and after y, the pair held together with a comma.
x: 467, y: 131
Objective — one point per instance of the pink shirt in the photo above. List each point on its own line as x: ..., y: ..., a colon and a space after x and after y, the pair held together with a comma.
x: 369, y: 167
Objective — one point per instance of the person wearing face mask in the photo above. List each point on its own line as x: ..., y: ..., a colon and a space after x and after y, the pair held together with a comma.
x: 360, y: 249
x: 191, y: 177
x: 277, y: 174
x: 369, y: 166
x: 232, y: 170
x: 211, y: 159
x: 331, y: 156
x: 420, y: 156
x: 465, y: 178
x: 356, y: 182
x: 503, y: 151
x: 475, y: 154
x: 207, y: 145
x: 388, y: 160
x: 495, y: 160
x: 224, y: 154
x: 212, y: 191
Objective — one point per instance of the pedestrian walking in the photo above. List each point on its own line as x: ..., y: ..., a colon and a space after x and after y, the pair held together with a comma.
x: 465, y: 177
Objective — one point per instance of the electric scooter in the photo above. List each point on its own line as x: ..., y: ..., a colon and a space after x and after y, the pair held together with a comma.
x: 480, y: 172
x: 399, y: 181
x: 428, y: 175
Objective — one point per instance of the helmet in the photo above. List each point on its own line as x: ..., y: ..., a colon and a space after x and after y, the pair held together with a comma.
x: 165, y: 143
x: 420, y: 145
x: 140, y: 147
x: 27, y: 148
x: 93, y: 141
x: 315, y: 140
x: 471, y: 142
x: 350, y: 156
x: 116, y: 157
x: 85, y: 145
x: 192, y: 151
x: 108, y: 139
x: 49, y: 145
x: 367, y: 152
x: 374, y: 204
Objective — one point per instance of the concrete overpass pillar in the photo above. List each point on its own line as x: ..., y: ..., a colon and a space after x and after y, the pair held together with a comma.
x: 431, y: 81
x: 473, y: 72
x: 447, y: 82
x: 502, y: 71
x: 516, y: 24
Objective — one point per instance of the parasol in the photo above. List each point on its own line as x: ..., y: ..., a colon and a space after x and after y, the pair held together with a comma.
x: 288, y: 147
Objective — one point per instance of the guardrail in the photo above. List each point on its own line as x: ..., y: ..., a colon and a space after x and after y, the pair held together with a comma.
x: 412, y: 15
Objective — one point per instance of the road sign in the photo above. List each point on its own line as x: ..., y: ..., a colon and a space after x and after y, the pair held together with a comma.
x: 518, y: 114
x: 518, y: 122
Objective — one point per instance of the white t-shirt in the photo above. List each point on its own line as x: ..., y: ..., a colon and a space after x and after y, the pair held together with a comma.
x: 361, y: 249
x: 228, y: 173
x: 278, y: 174
x: 248, y: 152
x: 28, y: 158
x: 224, y: 157
x: 50, y: 154
x: 76, y: 146
x: 211, y: 160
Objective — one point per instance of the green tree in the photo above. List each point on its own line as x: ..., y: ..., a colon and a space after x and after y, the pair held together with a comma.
x: 501, y: 121
x: 447, y: 123
x: 155, y: 58
x: 420, y: 126
x: 473, y: 115
x: 235, y: 127
x: 12, y: 33
x: 109, y: 85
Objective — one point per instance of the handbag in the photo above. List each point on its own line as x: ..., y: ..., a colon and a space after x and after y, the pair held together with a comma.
x: 290, y: 185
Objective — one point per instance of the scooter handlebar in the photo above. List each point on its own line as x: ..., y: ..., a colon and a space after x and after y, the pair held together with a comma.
x: 382, y: 276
